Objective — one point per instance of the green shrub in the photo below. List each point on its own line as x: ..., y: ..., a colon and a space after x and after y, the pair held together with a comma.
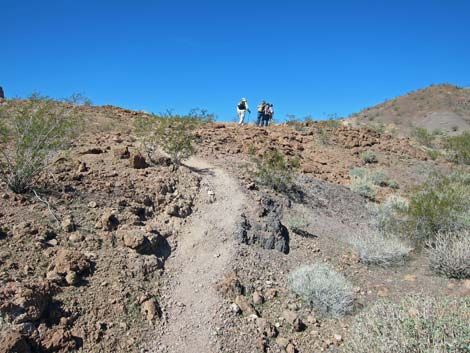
x: 274, y: 170
x: 415, y: 325
x: 441, y: 204
x: 393, y: 184
x: 173, y: 134
x: 433, y: 153
x: 449, y: 254
x: 459, y: 148
x: 323, y: 289
x: 369, y: 157
x: 361, y: 183
x: 390, y: 216
x: 379, y: 178
x: 377, y: 249
x: 30, y: 135
x: 423, y: 136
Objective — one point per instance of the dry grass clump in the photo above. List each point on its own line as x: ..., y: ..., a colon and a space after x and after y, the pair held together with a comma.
x: 449, y: 254
x: 415, y: 325
x: 369, y: 157
x: 377, y: 249
x: 323, y: 288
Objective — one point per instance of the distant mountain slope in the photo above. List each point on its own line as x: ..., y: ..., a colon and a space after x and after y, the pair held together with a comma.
x: 438, y: 107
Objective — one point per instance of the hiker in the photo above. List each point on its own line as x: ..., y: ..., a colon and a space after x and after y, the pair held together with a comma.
x: 2, y: 95
x: 242, y: 107
x: 260, y: 117
x: 267, y: 114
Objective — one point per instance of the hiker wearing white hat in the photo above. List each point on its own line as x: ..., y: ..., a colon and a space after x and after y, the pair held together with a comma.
x: 242, y: 107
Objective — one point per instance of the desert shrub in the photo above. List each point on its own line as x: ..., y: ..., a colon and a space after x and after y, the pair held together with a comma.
x: 173, y: 134
x: 441, y: 204
x: 332, y: 122
x: 433, y: 153
x: 30, y: 135
x: 361, y: 183
x: 78, y: 99
x: 369, y: 157
x: 377, y: 249
x: 323, y: 289
x: 459, y: 148
x: 415, y: 325
x: 393, y: 184
x: 379, y: 178
x: 390, y: 216
x: 423, y: 136
x: 449, y: 254
x: 274, y: 170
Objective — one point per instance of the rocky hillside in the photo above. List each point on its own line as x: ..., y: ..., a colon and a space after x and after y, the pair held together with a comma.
x: 439, y: 107
x: 115, y: 253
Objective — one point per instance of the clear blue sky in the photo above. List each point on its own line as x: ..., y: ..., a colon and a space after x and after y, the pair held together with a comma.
x: 307, y: 57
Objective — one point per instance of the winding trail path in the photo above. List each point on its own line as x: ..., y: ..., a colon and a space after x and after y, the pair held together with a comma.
x: 205, y: 249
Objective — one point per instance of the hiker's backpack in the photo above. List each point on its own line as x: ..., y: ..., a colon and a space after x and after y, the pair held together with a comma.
x: 242, y: 105
x: 261, y: 108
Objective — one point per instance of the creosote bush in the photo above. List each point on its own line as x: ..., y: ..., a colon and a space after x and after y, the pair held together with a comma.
x: 377, y: 249
x: 323, y: 289
x: 458, y: 148
x: 274, y: 170
x: 173, y: 134
x: 361, y: 183
x: 369, y: 157
x: 415, y: 325
x: 30, y: 135
x: 390, y: 216
x: 441, y: 204
x: 449, y: 254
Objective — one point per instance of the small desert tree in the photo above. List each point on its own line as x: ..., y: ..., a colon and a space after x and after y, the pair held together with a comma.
x: 30, y: 134
x: 173, y: 134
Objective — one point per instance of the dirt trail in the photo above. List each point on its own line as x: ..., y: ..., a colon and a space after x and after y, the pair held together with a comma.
x: 205, y: 248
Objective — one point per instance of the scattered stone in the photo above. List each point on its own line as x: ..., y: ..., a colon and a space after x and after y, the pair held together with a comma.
x: 14, y: 342
x: 76, y: 237
x: 92, y: 204
x: 289, y: 315
x: 151, y: 309
x: 122, y: 153
x: 68, y: 224
x: 235, y: 309
x: 246, y: 307
x: 258, y: 299
x: 291, y: 348
x: 231, y: 286
x: 93, y: 150
x: 271, y: 293
x: 137, y: 161
x: 266, y: 328
x: 282, y: 342
x: 298, y: 325
x: 109, y: 221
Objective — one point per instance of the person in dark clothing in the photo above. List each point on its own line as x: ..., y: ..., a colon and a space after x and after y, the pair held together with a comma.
x: 2, y: 95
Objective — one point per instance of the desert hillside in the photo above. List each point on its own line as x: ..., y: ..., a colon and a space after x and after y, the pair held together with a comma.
x: 131, y: 241
x: 439, y: 107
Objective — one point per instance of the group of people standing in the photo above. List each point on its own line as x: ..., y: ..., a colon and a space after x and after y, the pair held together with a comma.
x: 265, y: 112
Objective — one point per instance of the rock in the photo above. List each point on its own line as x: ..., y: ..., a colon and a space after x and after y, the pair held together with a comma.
x: 137, y: 161
x: 258, y: 299
x: 337, y: 339
x: 235, y: 309
x: 26, y: 302
x: 290, y: 316
x: 14, y: 342
x: 231, y: 286
x: 58, y: 340
x: 298, y: 325
x: 246, y: 307
x: 291, y: 348
x: 82, y: 167
x: 150, y: 309
x: 271, y: 293
x: 68, y: 225
x: 92, y: 204
x: 410, y: 278
x: 71, y: 278
x: 122, y: 153
x: 138, y: 242
x: 69, y: 265
x: 266, y: 328
x: 109, y: 221
x: 282, y: 342
x: 76, y: 237
x: 93, y: 150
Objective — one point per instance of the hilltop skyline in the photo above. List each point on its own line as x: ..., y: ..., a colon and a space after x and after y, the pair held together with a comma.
x: 308, y: 58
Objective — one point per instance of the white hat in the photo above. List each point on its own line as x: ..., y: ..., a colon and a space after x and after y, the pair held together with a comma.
x: 244, y: 99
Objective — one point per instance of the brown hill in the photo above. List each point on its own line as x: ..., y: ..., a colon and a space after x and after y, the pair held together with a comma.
x: 441, y: 107
x: 117, y: 255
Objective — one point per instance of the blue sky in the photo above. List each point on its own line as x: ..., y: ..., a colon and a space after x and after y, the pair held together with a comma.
x: 315, y: 58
